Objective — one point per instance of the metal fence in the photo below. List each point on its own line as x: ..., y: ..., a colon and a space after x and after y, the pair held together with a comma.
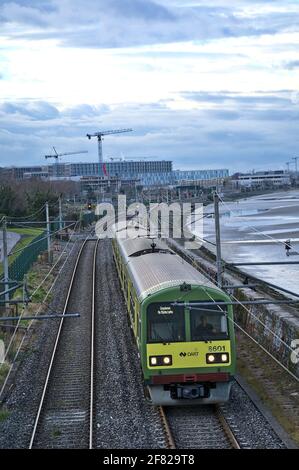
x: 21, y: 265
x: 23, y: 262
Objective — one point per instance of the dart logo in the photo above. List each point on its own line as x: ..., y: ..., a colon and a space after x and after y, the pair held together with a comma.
x: 189, y: 354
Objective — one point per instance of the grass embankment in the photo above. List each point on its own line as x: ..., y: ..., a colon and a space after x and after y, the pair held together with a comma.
x: 27, y: 236
x: 274, y: 386
x: 35, y: 276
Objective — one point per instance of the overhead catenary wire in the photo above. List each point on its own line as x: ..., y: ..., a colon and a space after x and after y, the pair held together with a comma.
x: 249, y: 336
x: 253, y: 315
x: 38, y: 241
x: 254, y: 228
x: 244, y: 306
x: 52, y: 268
x: 242, y: 329
x: 31, y: 321
x: 26, y: 217
x: 16, y: 327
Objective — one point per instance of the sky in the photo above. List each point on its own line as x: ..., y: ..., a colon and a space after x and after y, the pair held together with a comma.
x: 205, y: 84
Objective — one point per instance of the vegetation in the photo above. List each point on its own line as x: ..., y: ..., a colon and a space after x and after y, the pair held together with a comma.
x: 4, y: 368
x: 22, y: 198
x: 27, y: 236
x: 3, y: 414
x: 56, y: 433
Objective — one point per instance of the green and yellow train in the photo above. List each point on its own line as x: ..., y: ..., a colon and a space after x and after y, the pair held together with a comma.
x: 187, y: 353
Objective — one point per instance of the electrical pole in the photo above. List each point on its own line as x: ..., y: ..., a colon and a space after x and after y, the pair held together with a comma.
x: 218, y: 240
x: 296, y: 163
x: 48, y: 232
x: 60, y: 213
x: 5, y: 260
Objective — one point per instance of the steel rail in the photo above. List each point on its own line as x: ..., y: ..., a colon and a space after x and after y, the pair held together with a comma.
x: 55, y: 347
x: 227, y: 429
x: 167, y: 430
x: 92, y: 347
x: 171, y: 444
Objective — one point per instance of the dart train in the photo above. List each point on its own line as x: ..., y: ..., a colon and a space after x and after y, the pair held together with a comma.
x: 185, y: 339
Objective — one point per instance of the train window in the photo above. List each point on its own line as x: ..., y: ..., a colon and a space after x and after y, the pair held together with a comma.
x: 208, y: 324
x: 165, y: 323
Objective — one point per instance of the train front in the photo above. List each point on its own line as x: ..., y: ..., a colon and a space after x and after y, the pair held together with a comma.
x: 188, y: 342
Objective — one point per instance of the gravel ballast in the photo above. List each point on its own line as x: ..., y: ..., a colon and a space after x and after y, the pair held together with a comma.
x: 124, y: 419
x: 22, y: 398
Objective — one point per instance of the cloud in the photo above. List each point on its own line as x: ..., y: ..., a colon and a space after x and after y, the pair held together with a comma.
x: 124, y: 23
x: 86, y: 110
x: 26, y: 13
x: 294, y: 64
x: 196, y: 138
x: 36, y: 110
x: 280, y: 97
x: 216, y: 95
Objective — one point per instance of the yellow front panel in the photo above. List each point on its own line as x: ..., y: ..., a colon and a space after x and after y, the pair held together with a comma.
x: 192, y: 354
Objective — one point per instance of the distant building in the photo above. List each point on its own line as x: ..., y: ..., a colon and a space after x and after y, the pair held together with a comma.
x: 38, y: 175
x: 148, y: 173
x: 262, y: 179
x: 99, y: 184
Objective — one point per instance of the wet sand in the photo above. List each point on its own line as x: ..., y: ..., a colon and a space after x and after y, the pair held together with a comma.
x: 255, y: 229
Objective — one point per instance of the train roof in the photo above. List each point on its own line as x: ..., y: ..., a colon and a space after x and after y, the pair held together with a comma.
x: 154, y: 268
x: 153, y: 272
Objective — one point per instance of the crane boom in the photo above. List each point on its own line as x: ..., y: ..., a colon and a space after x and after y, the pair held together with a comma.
x: 66, y: 153
x: 100, y: 135
x: 57, y: 155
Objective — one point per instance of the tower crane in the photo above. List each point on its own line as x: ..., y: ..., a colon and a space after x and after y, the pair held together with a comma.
x: 100, y: 135
x: 57, y: 155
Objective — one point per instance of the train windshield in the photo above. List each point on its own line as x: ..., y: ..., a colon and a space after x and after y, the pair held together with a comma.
x: 207, y: 323
x: 165, y: 323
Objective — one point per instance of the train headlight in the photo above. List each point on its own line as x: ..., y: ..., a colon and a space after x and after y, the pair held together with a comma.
x: 211, y: 358
x: 153, y: 361
x: 217, y: 358
x: 224, y: 357
x: 160, y: 361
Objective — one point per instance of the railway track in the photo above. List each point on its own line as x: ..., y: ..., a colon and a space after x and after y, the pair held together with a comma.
x: 65, y: 416
x: 200, y: 427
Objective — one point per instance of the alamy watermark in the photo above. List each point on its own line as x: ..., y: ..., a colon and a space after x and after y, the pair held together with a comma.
x: 159, y: 220
x: 2, y: 351
x: 295, y: 352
